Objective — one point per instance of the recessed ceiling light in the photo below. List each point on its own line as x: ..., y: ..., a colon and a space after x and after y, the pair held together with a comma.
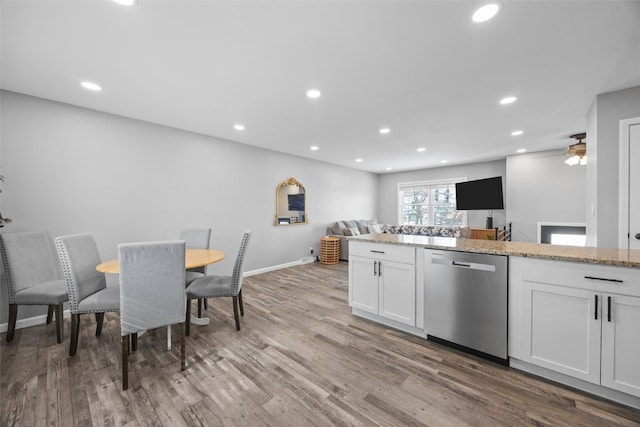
x: 508, y: 100
x: 444, y: 161
x: 388, y: 169
x: 314, y: 148
x: 421, y: 149
x: 522, y: 150
x: 384, y: 131
x: 486, y: 12
x: 126, y: 2
x: 313, y: 93
x: 358, y: 160
x: 238, y: 126
x: 517, y: 132
x: 91, y: 86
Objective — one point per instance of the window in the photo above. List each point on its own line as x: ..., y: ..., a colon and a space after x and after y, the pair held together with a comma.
x: 430, y: 203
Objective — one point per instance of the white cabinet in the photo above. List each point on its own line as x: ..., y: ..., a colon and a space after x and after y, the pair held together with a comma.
x: 382, y: 280
x: 621, y: 344
x: 560, y: 331
x: 581, y: 320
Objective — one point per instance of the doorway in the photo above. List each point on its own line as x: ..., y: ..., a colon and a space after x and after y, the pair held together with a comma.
x: 629, y: 224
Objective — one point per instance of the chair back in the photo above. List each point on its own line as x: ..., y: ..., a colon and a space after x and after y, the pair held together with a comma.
x: 28, y: 260
x: 196, y: 238
x: 151, y: 285
x: 238, y: 268
x: 79, y: 257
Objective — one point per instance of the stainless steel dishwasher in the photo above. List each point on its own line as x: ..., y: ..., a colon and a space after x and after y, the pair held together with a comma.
x: 466, y: 301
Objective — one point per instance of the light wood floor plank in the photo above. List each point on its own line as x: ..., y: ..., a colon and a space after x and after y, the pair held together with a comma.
x: 300, y: 359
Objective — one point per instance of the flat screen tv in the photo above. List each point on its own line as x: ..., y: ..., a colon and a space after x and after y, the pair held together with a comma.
x: 479, y: 194
x: 296, y: 202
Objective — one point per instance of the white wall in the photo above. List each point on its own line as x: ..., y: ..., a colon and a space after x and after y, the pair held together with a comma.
x: 603, y: 164
x: 541, y: 187
x: 72, y: 170
x: 388, y: 189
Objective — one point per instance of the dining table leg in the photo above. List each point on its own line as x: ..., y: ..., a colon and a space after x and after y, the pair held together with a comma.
x: 168, y: 337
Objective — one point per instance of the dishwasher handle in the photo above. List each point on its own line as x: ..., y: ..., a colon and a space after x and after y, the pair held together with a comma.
x: 469, y: 265
x: 460, y: 264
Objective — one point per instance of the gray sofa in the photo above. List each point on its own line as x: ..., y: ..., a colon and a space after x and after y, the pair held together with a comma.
x: 344, y: 229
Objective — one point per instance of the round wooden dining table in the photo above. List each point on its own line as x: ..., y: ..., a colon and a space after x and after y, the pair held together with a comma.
x: 193, y: 258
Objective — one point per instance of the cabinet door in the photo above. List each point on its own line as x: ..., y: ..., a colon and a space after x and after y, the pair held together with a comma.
x: 397, y: 283
x: 621, y: 344
x: 560, y: 331
x: 363, y: 284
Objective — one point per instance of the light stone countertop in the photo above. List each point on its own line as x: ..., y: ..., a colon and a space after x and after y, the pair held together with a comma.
x: 605, y: 256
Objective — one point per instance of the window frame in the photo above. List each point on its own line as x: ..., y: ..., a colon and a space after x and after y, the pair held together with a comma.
x: 426, y: 183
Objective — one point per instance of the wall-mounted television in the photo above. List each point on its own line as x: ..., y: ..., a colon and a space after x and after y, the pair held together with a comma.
x: 296, y: 202
x: 480, y: 194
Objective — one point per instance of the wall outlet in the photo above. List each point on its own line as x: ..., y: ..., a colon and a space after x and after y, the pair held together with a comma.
x: 311, y: 250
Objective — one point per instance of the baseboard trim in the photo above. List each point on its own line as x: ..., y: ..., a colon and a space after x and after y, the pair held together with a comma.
x: 30, y: 321
x: 41, y: 320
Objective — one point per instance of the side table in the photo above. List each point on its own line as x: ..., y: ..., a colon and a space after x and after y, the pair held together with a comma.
x: 329, y: 250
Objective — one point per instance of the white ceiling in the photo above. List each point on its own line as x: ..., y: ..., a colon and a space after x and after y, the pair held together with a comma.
x: 422, y: 68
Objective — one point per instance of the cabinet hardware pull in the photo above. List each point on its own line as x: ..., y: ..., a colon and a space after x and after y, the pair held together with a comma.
x: 375, y: 271
x: 459, y: 264
x: 637, y: 236
x: 376, y: 252
x: 604, y: 279
x: 608, y: 309
x: 596, y: 318
x: 379, y: 268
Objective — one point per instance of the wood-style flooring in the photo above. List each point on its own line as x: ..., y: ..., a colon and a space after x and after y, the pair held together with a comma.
x: 301, y: 359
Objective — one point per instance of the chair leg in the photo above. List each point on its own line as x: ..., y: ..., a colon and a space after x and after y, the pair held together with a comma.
x: 187, y: 319
x: 199, y: 307
x: 240, y: 303
x: 206, y: 303
x: 134, y: 342
x: 235, y: 312
x: 13, y: 316
x: 50, y: 313
x: 125, y: 362
x: 59, y: 309
x: 75, y: 332
x: 183, y: 360
x: 99, y: 321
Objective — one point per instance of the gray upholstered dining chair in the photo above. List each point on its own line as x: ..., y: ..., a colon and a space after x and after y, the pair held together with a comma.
x: 32, y: 276
x: 221, y: 286
x: 88, y: 291
x: 151, y: 292
x: 196, y: 238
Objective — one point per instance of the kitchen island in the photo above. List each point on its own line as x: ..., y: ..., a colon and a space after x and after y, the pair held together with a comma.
x: 573, y: 312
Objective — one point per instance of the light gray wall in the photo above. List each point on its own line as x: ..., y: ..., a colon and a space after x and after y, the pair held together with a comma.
x: 603, y: 162
x: 72, y: 170
x: 541, y: 187
x: 388, y: 188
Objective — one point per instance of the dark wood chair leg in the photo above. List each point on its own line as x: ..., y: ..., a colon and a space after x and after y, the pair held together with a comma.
x: 240, y: 303
x: 235, y: 313
x: 99, y: 321
x: 134, y: 342
x: 206, y: 303
x: 125, y: 362
x: 187, y: 319
x: 199, y: 307
x: 11, y: 326
x: 50, y: 313
x: 59, y: 322
x: 183, y: 359
x: 75, y: 332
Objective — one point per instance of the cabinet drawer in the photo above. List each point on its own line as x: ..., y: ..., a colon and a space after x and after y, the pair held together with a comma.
x: 397, y: 253
x: 601, y: 278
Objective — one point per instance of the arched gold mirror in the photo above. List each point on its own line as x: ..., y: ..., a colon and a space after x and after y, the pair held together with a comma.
x: 291, y: 203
